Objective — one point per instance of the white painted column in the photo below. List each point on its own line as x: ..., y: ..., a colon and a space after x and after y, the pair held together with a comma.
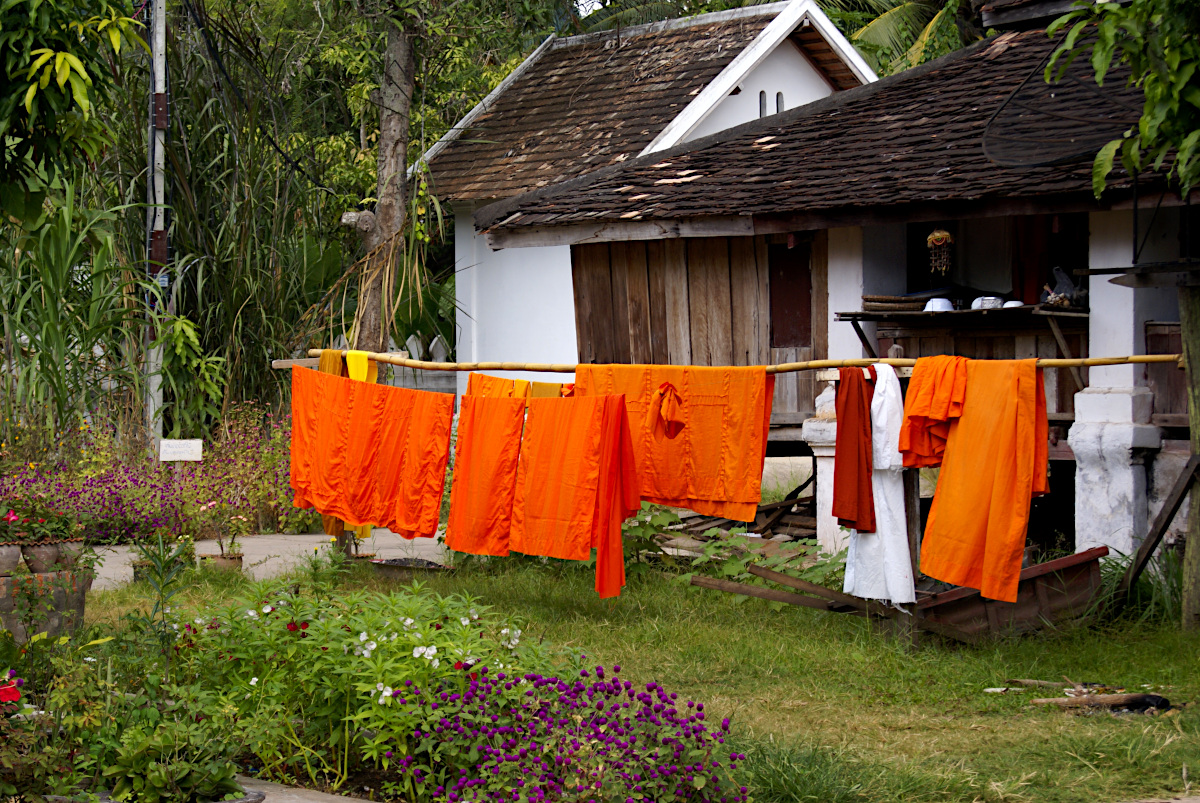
x: 820, y: 433
x: 1112, y: 415
x: 466, y: 261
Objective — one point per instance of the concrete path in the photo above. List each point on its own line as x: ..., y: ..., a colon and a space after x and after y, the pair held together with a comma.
x: 278, y: 793
x: 270, y: 555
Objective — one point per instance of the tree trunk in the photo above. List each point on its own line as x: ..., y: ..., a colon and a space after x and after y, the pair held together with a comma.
x: 395, y: 101
x: 1189, y: 320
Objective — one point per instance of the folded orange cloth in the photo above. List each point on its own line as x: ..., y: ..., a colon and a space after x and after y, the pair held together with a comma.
x: 576, y: 483
x: 489, y: 387
x: 369, y: 453
x: 665, y: 417
x: 995, y: 462
x: 935, y: 397
x: 485, y: 475
x: 853, y: 496
x: 715, y: 464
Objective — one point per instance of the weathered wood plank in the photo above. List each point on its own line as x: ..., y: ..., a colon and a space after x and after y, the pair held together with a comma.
x: 746, y: 306
x: 720, y: 320
x: 656, y: 281
x: 637, y: 295
x: 589, y: 274
x: 1048, y: 348
x: 787, y: 395
x: 619, y: 254
x: 698, y: 292
x: 820, y: 295
x: 763, y: 334
x: 679, y: 332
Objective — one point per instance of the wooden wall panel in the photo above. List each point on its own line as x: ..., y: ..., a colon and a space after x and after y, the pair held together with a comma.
x: 580, y: 282
x: 678, y: 304
x: 593, y: 261
x: 631, y: 257
x: 763, y: 335
x: 820, y: 295
x: 619, y: 260
x: 656, y: 282
x: 747, y: 307
x: 709, y: 301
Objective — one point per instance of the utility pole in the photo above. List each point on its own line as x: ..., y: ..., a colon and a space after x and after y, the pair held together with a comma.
x: 156, y: 210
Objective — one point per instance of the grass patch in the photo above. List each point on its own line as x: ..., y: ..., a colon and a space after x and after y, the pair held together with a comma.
x: 826, y: 710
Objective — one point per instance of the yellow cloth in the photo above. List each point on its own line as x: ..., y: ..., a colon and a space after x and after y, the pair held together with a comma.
x: 545, y: 390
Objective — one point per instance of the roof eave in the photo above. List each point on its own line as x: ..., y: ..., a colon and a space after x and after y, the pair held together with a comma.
x: 504, y: 235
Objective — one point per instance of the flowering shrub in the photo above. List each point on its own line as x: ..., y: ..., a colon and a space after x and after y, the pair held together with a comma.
x: 493, y: 735
x: 315, y: 673
x: 120, y: 493
x: 31, y: 522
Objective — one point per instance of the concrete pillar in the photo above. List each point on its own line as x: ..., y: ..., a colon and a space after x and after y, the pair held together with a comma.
x: 1112, y: 434
x: 820, y: 433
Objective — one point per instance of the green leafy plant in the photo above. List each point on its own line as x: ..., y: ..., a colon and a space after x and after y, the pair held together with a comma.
x: 1159, y: 40
x: 195, y: 380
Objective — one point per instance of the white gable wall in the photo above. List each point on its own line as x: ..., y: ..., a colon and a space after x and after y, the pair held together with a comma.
x: 785, y: 70
x: 516, y: 305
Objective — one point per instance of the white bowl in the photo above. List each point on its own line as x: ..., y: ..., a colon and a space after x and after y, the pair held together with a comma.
x: 1011, y: 304
x: 938, y: 305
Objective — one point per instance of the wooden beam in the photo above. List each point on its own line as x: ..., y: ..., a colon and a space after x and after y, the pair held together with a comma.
x: 774, y: 595
x: 305, y: 362
x: 1066, y: 351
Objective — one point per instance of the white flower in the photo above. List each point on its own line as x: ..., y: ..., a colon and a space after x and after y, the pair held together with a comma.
x: 384, y: 699
x: 253, y: 681
x: 393, y: 637
x: 418, y: 652
x: 387, y: 690
x: 378, y: 687
x: 366, y: 653
x: 435, y: 663
x: 474, y: 614
x: 90, y: 660
x: 465, y: 621
x: 430, y: 651
x: 504, y: 632
x: 251, y: 613
x: 417, y: 634
x: 371, y: 646
x: 266, y: 609
x: 408, y: 622
x: 199, y: 621
x: 362, y: 636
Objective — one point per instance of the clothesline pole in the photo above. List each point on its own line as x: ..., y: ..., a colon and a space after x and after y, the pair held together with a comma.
x: 783, y: 368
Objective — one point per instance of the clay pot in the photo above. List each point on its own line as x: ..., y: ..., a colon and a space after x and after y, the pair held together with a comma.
x: 10, y: 556
x: 68, y: 553
x: 40, y: 558
x: 229, y: 562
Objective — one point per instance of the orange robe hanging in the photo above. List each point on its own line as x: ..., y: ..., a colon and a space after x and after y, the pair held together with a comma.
x: 331, y: 362
x: 496, y: 387
x: 853, y: 497
x: 995, y: 462
x: 721, y: 418
x: 369, y: 453
x: 936, y: 394
x: 485, y: 475
x: 576, y: 483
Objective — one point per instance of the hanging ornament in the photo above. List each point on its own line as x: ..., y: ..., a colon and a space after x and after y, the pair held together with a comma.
x: 939, y: 242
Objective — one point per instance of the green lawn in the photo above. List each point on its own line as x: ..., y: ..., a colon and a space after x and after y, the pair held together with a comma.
x: 828, y: 710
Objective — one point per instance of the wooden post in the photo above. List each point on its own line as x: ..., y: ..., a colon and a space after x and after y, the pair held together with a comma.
x: 1189, y: 324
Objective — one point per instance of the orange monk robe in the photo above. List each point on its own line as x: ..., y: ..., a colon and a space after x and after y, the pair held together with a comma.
x: 935, y: 397
x: 853, y: 497
x: 714, y: 463
x: 361, y: 369
x: 485, y: 475
x: 576, y: 483
x: 495, y: 387
x: 369, y: 453
x: 995, y: 462
x: 331, y: 362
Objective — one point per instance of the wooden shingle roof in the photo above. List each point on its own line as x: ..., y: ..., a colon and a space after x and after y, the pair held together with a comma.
x: 915, y: 138
x: 590, y: 101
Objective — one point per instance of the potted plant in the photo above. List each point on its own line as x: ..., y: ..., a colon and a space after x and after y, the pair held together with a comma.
x: 10, y: 539
x: 45, y: 529
x: 227, y: 534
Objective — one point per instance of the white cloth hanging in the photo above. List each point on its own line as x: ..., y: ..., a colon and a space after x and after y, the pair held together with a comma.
x: 878, y: 564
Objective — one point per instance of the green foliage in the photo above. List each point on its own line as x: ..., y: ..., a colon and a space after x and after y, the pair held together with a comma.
x: 195, y: 380
x: 641, y: 535
x: 55, y: 56
x: 70, y: 314
x: 728, y: 557
x: 1159, y: 40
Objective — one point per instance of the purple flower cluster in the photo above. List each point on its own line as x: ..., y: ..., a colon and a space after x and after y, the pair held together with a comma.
x: 542, y: 738
x: 125, y: 495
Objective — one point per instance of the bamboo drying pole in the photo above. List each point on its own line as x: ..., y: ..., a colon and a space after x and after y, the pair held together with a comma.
x: 784, y: 368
